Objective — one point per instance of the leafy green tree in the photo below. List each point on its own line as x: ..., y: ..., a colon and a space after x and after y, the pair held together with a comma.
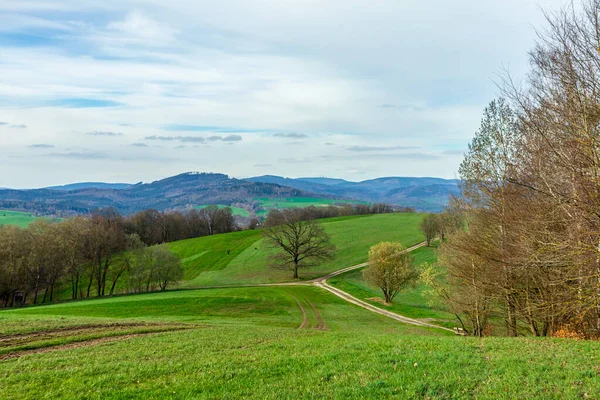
x: 391, y: 268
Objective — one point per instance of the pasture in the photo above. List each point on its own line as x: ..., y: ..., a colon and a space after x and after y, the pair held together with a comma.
x: 207, y: 261
x: 270, y: 343
x: 20, y: 219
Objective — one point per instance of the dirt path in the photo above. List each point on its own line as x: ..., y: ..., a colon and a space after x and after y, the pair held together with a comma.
x: 321, y: 325
x: 304, y: 316
x: 322, y: 283
x: 357, y: 266
x: 351, y: 299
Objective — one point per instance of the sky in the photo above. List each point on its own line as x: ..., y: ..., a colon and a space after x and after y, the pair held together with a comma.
x: 139, y: 90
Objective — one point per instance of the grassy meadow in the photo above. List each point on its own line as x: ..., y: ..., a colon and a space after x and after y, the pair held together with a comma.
x: 237, y: 211
x: 206, y: 260
x: 270, y: 343
x: 412, y: 302
x: 268, y: 204
x: 21, y: 219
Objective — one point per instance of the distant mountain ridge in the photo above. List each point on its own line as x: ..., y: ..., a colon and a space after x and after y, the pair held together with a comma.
x: 89, y: 185
x: 425, y: 194
x: 178, y: 192
x: 191, y: 189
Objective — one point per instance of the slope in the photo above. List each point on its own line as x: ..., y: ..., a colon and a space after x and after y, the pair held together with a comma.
x: 241, y: 258
x: 269, y: 343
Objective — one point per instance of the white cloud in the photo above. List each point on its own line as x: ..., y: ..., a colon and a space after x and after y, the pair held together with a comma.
x: 320, y: 69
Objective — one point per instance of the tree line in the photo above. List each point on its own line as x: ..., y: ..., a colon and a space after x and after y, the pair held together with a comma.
x: 530, y: 253
x: 96, y: 255
x: 106, y: 253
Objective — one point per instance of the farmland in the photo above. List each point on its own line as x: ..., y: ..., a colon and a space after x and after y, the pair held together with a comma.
x: 267, y: 204
x: 207, y: 262
x: 16, y: 218
x: 246, y: 342
x: 237, y: 211
x: 277, y: 342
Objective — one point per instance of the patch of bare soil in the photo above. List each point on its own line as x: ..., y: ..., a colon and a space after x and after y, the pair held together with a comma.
x: 21, y: 338
x: 90, y: 342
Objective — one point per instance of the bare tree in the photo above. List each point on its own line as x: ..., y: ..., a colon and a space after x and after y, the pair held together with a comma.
x: 298, y: 243
x: 390, y: 268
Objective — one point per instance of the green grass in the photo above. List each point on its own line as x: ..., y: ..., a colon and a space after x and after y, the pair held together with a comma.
x: 20, y: 219
x: 237, y: 211
x: 294, y: 202
x: 411, y: 302
x: 207, y: 262
x: 244, y: 343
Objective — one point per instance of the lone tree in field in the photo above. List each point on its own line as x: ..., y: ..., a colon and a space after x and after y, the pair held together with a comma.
x: 430, y: 226
x: 390, y: 268
x: 300, y: 243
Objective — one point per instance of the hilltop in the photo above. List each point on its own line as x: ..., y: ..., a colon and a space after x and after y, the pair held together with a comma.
x: 424, y: 194
x: 192, y: 189
x: 178, y: 192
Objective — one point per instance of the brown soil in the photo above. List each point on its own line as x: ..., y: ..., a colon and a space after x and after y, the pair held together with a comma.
x: 85, y: 343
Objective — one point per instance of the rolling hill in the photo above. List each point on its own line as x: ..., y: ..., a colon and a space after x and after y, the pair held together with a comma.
x: 424, y: 194
x: 178, y: 192
x: 275, y: 342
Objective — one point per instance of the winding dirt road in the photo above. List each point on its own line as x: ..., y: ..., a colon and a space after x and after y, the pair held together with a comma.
x: 321, y: 282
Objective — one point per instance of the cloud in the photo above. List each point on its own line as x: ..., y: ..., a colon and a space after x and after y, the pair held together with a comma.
x: 195, y: 139
x: 400, y: 107
x: 87, y: 155
x: 454, y: 152
x: 329, y: 144
x: 3, y: 123
x: 108, y: 134
x: 83, y: 103
x: 291, y: 135
x: 185, y: 139
x: 230, y: 138
x: 263, y: 165
x: 379, y: 148
x: 209, y: 128
x: 138, y: 145
x: 18, y: 126
x: 41, y: 146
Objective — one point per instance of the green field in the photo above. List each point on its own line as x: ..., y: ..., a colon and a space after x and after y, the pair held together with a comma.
x: 294, y: 202
x: 246, y: 343
x: 206, y: 260
x: 20, y: 219
x: 412, y: 302
x: 237, y: 211
x: 282, y: 342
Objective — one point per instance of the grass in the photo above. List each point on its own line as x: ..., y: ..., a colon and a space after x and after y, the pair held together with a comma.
x: 207, y: 263
x: 244, y: 343
x: 20, y: 219
x: 411, y: 302
x: 293, y: 202
x: 237, y: 211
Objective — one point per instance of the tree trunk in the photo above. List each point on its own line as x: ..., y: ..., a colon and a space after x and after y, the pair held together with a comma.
x: 91, y: 281
x: 296, y: 269
x: 112, y: 288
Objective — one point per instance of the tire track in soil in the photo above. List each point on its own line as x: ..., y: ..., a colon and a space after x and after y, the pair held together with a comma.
x: 304, y: 316
x: 8, y: 340
x: 84, y: 343
x: 321, y: 325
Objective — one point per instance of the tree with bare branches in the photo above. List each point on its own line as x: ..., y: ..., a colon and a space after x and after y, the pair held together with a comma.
x: 297, y: 243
